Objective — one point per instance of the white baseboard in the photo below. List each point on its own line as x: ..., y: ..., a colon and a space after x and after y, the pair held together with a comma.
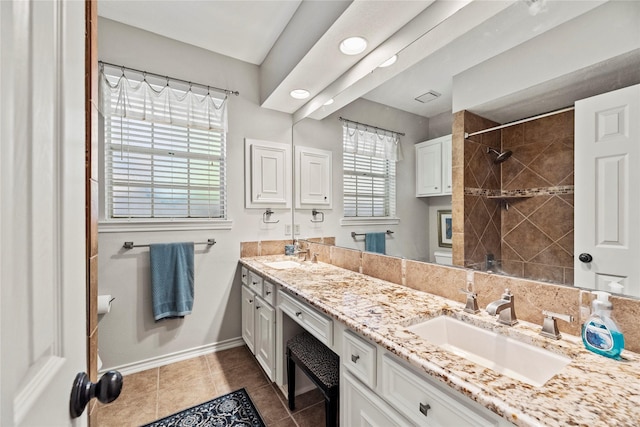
x: 154, y: 362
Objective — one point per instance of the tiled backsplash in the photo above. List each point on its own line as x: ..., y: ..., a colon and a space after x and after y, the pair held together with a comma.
x: 531, y: 296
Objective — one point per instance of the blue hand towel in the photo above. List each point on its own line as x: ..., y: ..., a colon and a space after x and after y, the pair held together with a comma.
x: 171, y: 279
x: 375, y: 242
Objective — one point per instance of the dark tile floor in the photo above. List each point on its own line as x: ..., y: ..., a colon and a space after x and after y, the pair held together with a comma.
x: 155, y: 393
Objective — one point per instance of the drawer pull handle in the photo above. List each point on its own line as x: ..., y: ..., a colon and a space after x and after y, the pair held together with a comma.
x: 268, y: 292
x: 298, y: 313
x: 354, y: 358
x: 244, y: 275
x: 250, y: 301
x: 258, y: 306
x: 254, y: 283
x: 425, y: 409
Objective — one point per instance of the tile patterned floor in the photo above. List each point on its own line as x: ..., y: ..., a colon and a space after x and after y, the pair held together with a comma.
x: 155, y: 393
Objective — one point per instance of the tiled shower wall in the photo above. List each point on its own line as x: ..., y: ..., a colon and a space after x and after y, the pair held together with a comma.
x: 537, y: 232
x: 520, y: 211
x: 482, y: 221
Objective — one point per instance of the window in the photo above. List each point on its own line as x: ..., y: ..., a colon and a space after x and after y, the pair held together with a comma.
x: 369, y: 183
x: 165, y: 152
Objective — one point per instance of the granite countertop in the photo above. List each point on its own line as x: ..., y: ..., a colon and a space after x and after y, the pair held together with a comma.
x: 591, y: 391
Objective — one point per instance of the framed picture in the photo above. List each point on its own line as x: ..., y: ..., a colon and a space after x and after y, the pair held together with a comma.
x: 445, y: 230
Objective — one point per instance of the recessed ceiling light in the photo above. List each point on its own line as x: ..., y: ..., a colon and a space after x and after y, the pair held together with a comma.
x: 329, y: 102
x: 300, y: 93
x: 389, y: 62
x: 353, y: 45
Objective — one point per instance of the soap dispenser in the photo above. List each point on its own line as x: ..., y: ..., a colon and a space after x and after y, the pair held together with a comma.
x: 600, y: 334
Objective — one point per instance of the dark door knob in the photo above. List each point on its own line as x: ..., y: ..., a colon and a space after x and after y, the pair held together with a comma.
x: 584, y: 257
x: 107, y: 389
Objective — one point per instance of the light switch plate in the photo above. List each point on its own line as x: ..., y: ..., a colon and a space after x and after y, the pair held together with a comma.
x: 296, y: 229
x: 287, y: 229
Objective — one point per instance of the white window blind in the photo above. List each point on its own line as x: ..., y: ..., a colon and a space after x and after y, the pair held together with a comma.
x: 165, y: 155
x: 369, y: 184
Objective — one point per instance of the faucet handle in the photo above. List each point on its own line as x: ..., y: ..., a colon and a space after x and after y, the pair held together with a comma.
x: 472, y: 302
x: 550, y: 325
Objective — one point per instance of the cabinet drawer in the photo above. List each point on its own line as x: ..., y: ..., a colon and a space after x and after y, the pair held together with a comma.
x: 359, y: 357
x: 424, y: 403
x: 317, y: 324
x: 269, y: 293
x: 244, y: 275
x: 255, y: 283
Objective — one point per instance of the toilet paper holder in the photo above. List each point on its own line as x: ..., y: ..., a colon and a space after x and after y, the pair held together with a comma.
x: 104, y: 303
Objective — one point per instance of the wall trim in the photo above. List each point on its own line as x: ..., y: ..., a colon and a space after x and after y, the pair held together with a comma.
x: 168, y: 225
x: 155, y: 362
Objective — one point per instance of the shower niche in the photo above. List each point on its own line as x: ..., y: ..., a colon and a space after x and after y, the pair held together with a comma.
x: 518, y: 197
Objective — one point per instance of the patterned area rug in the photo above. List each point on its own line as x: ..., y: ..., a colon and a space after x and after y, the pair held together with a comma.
x: 231, y: 410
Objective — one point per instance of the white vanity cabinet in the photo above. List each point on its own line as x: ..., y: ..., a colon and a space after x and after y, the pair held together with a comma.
x: 379, y: 389
x: 433, y: 167
x: 362, y: 407
x: 259, y: 320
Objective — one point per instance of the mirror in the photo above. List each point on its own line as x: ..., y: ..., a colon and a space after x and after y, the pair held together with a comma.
x: 535, y: 67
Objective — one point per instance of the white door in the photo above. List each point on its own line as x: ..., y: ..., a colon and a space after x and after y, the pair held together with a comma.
x: 607, y: 194
x: 42, y: 210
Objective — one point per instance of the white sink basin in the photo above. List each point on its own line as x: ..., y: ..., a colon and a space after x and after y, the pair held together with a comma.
x: 282, y: 265
x: 507, y: 356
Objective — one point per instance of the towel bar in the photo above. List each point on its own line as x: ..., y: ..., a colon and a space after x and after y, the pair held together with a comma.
x: 354, y: 234
x: 130, y: 245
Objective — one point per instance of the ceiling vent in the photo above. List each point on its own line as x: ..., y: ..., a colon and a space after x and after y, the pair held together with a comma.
x: 429, y: 96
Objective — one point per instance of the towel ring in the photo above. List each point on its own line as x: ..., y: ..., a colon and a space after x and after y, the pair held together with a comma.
x: 317, y: 212
x: 266, y: 215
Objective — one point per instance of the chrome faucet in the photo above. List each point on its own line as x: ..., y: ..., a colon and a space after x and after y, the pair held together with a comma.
x: 504, y: 308
x: 550, y: 326
x: 472, y: 302
x: 299, y: 251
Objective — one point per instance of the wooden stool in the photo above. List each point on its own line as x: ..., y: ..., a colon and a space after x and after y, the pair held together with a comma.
x: 321, y: 365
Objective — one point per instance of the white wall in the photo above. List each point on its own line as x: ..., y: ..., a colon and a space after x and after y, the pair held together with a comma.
x: 411, y: 235
x: 128, y: 334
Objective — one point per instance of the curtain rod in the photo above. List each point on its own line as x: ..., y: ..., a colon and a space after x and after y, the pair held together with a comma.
x: 552, y: 113
x: 123, y: 68
x: 342, y: 119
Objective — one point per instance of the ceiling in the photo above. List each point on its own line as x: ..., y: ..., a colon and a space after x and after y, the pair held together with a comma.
x: 295, y: 43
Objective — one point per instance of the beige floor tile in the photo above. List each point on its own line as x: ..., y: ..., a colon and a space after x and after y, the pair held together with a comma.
x: 269, y: 405
x: 313, y: 416
x: 136, y: 404
x: 184, y: 371
x: 247, y: 375
x: 227, y: 359
x: 287, y: 422
x: 307, y: 399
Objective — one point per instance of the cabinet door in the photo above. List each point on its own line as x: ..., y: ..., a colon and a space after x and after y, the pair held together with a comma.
x: 446, y: 166
x: 265, y: 329
x: 361, y: 407
x: 267, y: 174
x: 313, y: 177
x: 429, y: 169
x: 248, y: 318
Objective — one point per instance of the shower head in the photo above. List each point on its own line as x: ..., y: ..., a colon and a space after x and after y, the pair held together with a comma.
x: 501, y: 156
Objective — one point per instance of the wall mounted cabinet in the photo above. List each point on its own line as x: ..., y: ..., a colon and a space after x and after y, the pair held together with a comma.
x: 313, y: 178
x: 433, y: 167
x: 267, y: 174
